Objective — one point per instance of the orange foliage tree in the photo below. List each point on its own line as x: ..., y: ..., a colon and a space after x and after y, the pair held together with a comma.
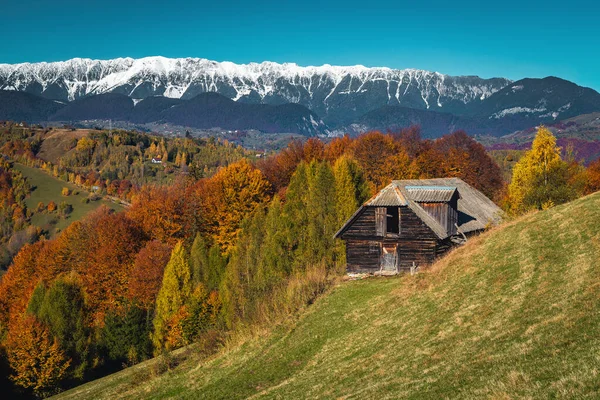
x: 337, y: 148
x: 19, y: 282
x: 228, y: 197
x: 381, y: 158
x: 113, y: 246
x: 147, y: 273
x: 160, y: 211
x: 464, y: 158
x: 593, y: 177
x: 35, y: 356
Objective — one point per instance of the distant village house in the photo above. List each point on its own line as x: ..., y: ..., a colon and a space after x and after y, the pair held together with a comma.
x: 157, y: 160
x: 410, y: 223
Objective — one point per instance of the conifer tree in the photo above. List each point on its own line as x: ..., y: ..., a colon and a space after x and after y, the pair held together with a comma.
x: 125, y: 336
x: 63, y: 310
x: 199, y: 259
x: 310, y: 209
x: 233, y: 290
x: 175, y: 290
x: 540, y: 178
x: 351, y: 190
x: 275, y: 260
x: 215, y: 268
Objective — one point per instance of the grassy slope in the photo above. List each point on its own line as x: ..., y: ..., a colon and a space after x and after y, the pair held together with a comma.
x: 514, y: 313
x: 58, y: 142
x: 48, y: 188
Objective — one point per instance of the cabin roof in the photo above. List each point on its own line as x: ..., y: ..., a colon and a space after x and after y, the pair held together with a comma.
x: 475, y: 210
x: 431, y: 194
x: 389, y: 196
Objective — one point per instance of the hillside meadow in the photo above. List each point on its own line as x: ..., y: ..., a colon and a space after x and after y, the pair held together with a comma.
x: 512, y: 314
x: 46, y: 188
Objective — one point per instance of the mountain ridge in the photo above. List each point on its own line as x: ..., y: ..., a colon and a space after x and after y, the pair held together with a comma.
x: 333, y: 92
x: 338, y: 99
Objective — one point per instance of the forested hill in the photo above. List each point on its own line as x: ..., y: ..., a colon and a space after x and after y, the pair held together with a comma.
x: 512, y: 314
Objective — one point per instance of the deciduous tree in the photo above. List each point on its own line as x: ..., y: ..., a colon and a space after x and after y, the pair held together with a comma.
x: 147, y: 272
x: 36, y: 358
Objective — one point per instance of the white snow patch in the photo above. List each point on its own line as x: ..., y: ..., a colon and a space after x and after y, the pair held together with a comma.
x: 516, y: 110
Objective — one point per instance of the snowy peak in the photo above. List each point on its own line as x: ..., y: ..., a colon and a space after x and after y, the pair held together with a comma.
x: 337, y: 93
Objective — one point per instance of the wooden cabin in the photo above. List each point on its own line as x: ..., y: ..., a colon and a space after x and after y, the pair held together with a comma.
x: 409, y: 223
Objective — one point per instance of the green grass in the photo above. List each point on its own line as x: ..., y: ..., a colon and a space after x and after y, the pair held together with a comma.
x: 47, y: 188
x: 515, y: 313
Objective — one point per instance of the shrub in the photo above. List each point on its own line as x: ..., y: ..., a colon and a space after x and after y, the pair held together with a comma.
x: 65, y: 191
x: 65, y: 209
x: 51, y: 206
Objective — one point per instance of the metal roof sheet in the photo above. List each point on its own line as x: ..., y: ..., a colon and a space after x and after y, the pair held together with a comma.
x: 430, y: 194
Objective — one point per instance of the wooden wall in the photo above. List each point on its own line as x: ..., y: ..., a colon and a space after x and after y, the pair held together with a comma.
x: 363, y: 226
x: 417, y: 241
x: 445, y: 213
x: 362, y: 256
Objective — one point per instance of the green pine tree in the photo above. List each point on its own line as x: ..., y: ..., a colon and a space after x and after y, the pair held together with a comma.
x: 199, y: 259
x: 62, y: 308
x: 215, y: 268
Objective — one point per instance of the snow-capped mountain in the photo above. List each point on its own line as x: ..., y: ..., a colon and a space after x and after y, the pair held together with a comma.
x: 337, y: 94
x: 328, y: 99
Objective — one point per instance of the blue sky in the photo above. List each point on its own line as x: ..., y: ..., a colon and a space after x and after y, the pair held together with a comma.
x: 514, y: 39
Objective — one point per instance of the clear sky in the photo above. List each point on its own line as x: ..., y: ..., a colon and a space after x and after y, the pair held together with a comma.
x: 510, y: 38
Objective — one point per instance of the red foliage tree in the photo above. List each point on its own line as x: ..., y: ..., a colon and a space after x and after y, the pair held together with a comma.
x: 464, y: 158
x: 147, y: 272
x: 593, y: 177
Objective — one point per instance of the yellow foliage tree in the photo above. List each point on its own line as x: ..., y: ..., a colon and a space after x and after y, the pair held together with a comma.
x: 85, y: 144
x: 175, y: 290
x: 540, y: 178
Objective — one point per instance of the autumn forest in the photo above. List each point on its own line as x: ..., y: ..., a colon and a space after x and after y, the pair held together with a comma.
x: 212, y: 238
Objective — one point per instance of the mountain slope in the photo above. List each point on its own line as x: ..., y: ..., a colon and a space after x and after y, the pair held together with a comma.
x: 512, y: 314
x: 433, y: 124
x: 522, y: 105
x: 209, y: 110
x: 543, y: 99
x: 103, y: 106
x: 19, y: 106
x: 338, y: 94
x: 205, y: 111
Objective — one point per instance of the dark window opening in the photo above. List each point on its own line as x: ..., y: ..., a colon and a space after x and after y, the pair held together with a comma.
x: 392, y: 220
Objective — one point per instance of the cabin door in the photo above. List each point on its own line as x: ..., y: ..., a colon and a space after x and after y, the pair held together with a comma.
x: 389, y: 258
